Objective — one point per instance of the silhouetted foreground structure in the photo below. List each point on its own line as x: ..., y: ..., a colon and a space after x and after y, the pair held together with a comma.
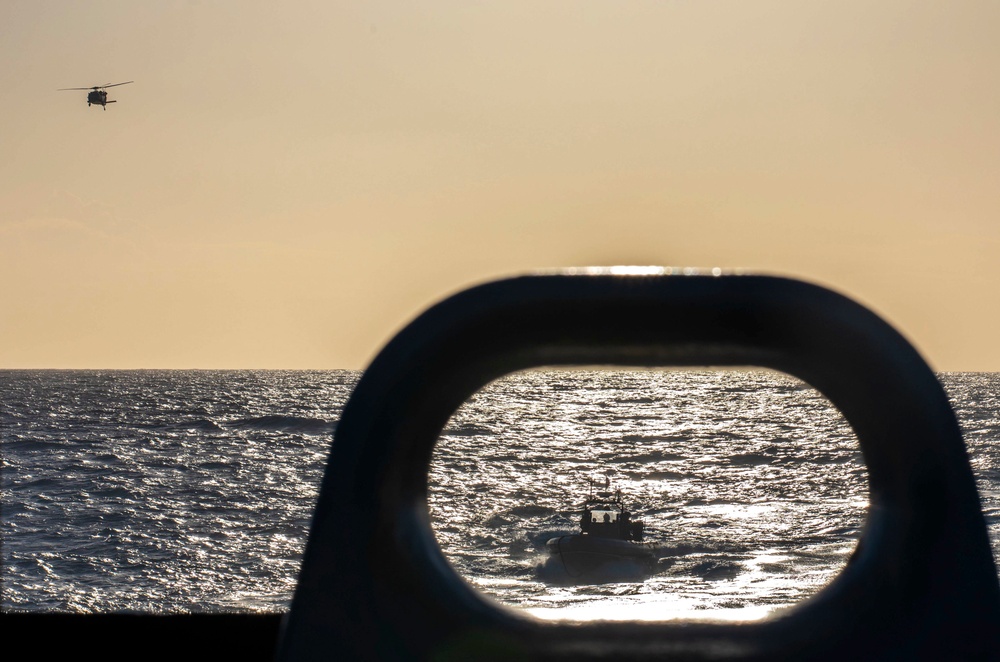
x: 375, y: 585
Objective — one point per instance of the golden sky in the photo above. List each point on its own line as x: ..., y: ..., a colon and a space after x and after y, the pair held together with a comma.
x: 287, y: 184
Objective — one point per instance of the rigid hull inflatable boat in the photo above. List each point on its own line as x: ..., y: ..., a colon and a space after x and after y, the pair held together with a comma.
x: 608, y: 537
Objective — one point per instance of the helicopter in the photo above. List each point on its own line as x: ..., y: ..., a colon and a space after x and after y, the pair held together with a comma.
x: 97, y: 94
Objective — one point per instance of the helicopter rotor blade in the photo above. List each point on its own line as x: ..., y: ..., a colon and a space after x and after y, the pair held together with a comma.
x: 117, y: 84
x: 63, y: 89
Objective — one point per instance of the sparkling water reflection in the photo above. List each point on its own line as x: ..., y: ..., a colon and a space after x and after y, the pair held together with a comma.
x: 173, y: 491
x: 751, y: 485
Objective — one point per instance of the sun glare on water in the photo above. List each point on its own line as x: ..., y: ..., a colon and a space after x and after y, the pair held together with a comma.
x: 749, y: 483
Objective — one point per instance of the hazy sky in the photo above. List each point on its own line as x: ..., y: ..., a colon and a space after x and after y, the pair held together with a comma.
x: 287, y: 184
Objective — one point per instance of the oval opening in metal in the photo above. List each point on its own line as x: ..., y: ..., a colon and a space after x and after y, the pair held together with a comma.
x: 749, y: 482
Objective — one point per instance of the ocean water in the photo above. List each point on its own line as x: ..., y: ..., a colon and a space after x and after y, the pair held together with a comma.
x: 191, y: 491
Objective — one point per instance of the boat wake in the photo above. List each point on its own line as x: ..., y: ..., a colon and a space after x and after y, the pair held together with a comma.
x: 554, y: 570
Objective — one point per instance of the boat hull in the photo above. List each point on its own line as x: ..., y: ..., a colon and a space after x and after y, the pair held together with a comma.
x: 585, y: 555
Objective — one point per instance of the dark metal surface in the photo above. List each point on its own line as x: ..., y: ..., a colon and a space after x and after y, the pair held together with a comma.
x: 132, y: 637
x: 374, y: 584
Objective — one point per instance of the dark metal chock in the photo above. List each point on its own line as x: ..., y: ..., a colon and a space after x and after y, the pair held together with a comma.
x: 374, y: 584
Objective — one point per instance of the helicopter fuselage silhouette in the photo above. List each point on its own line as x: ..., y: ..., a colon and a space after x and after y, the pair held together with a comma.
x: 97, y: 94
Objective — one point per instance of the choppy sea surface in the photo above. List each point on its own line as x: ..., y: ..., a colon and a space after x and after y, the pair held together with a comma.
x: 191, y: 491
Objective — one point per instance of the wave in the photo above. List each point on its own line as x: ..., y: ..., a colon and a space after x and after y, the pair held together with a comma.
x: 280, y: 423
x: 468, y: 430
x: 552, y: 570
x: 658, y: 475
x: 645, y: 458
x: 715, y: 569
x: 530, y: 510
x: 215, y: 466
x: 193, y: 425
x: 28, y: 445
x: 198, y: 424
x: 750, y: 459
